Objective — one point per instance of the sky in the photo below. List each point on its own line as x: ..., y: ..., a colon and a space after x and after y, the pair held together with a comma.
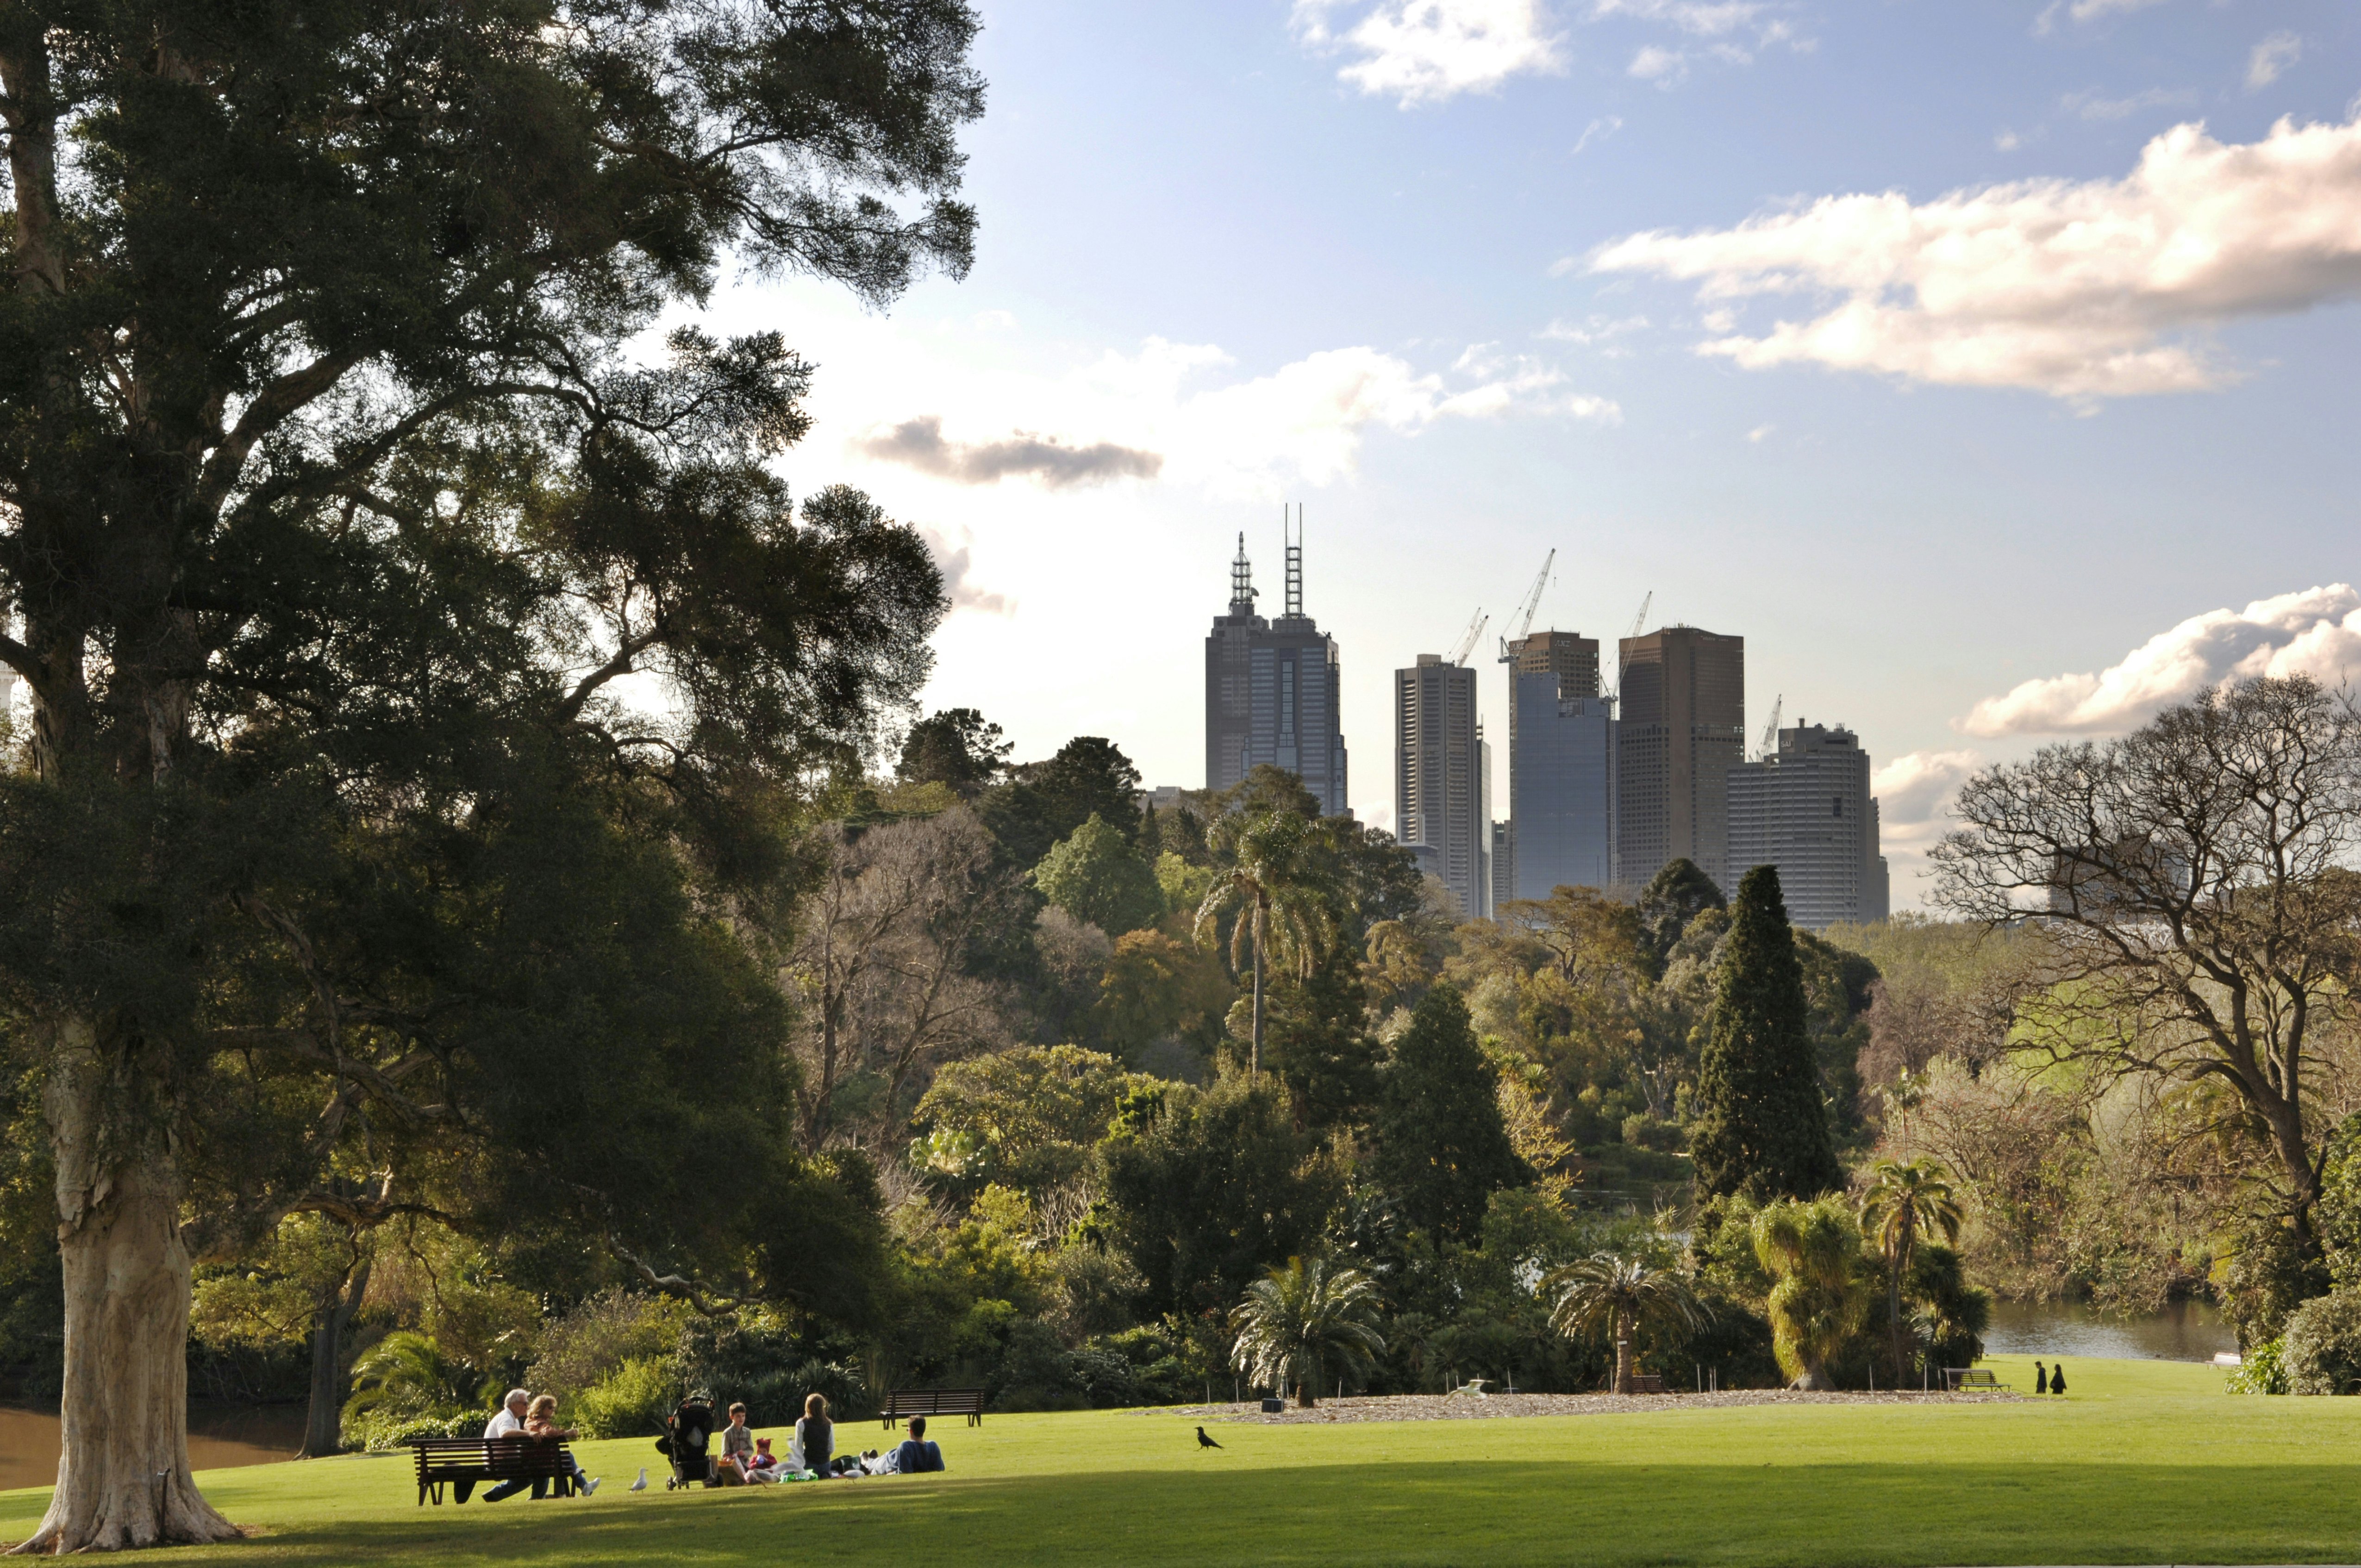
x: 1990, y: 367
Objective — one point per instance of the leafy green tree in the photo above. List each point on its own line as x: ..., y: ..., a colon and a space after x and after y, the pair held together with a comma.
x: 1761, y: 1125
x: 1320, y: 1046
x: 1274, y: 905
x: 1675, y: 895
x: 1297, y: 1323
x: 957, y: 748
x: 1441, y: 1149
x: 1026, y: 1119
x: 1156, y: 988
x: 1206, y: 1189
x: 1906, y: 1200
x: 1045, y: 802
x: 1620, y: 1292
x: 335, y: 505
x: 1096, y: 876
x: 1818, y: 1297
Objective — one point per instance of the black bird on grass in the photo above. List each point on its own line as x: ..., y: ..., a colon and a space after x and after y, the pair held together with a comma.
x: 1205, y: 1441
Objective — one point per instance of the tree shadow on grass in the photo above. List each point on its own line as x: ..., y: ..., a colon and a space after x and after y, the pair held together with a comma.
x: 1493, y: 1514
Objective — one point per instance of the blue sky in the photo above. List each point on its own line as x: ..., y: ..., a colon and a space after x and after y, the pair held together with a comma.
x: 1939, y: 349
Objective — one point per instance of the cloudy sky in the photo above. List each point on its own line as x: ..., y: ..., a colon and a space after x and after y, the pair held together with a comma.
x: 1990, y: 367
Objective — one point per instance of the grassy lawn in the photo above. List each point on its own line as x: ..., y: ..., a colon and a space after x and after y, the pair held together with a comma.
x: 2144, y: 1462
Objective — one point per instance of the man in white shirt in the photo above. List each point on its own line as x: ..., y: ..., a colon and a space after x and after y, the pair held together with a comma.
x: 510, y: 1423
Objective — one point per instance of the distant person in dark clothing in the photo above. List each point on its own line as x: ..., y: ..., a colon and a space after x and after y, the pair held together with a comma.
x: 2040, y: 1379
x: 2058, y: 1379
x: 815, y: 1434
x: 916, y: 1453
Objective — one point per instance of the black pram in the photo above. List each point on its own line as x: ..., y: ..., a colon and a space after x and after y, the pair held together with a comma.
x: 687, y: 1442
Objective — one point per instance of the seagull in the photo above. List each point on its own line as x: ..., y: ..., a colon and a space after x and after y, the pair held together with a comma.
x: 1205, y: 1441
x: 641, y: 1483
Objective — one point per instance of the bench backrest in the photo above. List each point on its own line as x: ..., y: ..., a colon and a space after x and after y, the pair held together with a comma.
x: 934, y: 1402
x: 500, y: 1456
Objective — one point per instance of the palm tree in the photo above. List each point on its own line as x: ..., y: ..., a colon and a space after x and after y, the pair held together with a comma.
x: 1622, y: 1293
x: 404, y: 1374
x: 1812, y: 1250
x: 1279, y: 913
x: 1902, y: 1202
x: 1296, y: 1319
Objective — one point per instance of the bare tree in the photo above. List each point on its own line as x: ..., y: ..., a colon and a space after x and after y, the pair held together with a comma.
x: 2194, y: 879
x: 881, y: 964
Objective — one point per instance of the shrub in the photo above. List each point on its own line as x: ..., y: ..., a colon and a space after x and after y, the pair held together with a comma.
x: 584, y: 1347
x: 2264, y: 1370
x: 631, y: 1401
x: 380, y: 1434
x: 1643, y: 1131
x: 2322, y: 1345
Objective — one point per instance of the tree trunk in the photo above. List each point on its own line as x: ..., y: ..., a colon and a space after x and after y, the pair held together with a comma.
x: 1893, y: 1317
x: 1622, y: 1353
x: 122, y: 1477
x: 1254, y: 1060
x: 324, y: 1425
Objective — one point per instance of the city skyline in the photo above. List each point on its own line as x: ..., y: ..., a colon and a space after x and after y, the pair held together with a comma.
x: 1676, y: 304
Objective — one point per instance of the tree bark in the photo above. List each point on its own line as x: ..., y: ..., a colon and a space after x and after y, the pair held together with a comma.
x: 1622, y: 1353
x: 122, y: 1477
x: 1254, y: 1060
x: 324, y: 1425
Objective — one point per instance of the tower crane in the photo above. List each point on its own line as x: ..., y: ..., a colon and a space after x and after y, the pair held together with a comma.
x: 1468, y: 643
x: 1771, y: 731
x: 1524, y: 617
x: 1638, y: 622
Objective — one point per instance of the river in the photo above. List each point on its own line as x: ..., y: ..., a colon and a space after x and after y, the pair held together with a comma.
x: 220, y: 1436
x: 2185, y: 1331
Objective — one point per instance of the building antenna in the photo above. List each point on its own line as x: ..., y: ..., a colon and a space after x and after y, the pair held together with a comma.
x: 1242, y: 589
x: 1294, y: 559
x: 1524, y: 617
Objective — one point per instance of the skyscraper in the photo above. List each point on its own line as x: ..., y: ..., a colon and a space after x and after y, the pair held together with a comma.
x: 1683, y: 695
x: 1438, y: 775
x: 1805, y: 809
x: 1561, y: 766
x: 1271, y: 689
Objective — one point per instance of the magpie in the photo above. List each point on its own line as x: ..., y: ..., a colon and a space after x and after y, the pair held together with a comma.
x: 1205, y: 1441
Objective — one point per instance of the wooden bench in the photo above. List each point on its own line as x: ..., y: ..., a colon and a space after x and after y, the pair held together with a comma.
x: 967, y: 1402
x: 1647, y: 1383
x: 445, y: 1460
x: 1971, y: 1380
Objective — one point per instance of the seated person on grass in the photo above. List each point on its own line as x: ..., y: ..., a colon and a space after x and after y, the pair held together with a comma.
x: 764, y: 1466
x: 737, y: 1449
x: 541, y: 1421
x: 816, y: 1436
x: 916, y: 1453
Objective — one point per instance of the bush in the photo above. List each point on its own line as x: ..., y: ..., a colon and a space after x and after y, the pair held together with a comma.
x: 1643, y: 1131
x: 380, y: 1435
x: 588, y: 1344
x: 2322, y: 1345
x: 631, y: 1401
x: 2262, y: 1371
x: 1036, y: 1373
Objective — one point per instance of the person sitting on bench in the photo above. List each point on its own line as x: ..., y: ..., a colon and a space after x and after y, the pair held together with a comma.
x: 508, y: 1424
x: 916, y: 1453
x: 541, y: 1421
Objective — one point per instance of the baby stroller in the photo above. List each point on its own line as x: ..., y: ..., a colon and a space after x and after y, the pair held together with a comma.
x: 687, y: 1439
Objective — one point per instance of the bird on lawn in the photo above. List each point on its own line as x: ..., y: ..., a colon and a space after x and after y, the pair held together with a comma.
x: 1205, y: 1441
x: 641, y: 1483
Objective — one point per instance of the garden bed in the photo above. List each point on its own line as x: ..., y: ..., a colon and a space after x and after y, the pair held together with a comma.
x: 1460, y: 1407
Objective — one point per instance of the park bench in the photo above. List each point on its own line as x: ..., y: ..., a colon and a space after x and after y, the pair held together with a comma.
x: 967, y: 1402
x: 1970, y: 1380
x: 1647, y: 1383
x: 444, y: 1460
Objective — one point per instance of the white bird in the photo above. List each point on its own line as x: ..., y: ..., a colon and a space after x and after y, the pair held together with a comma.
x: 641, y: 1483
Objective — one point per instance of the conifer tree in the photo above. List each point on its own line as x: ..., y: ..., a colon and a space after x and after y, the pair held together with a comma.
x: 1763, y: 1128
x: 1442, y: 1149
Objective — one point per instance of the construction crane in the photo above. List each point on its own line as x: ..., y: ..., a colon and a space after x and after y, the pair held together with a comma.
x: 1525, y: 619
x: 1771, y: 731
x: 1641, y: 619
x: 1467, y: 643
x: 1638, y: 622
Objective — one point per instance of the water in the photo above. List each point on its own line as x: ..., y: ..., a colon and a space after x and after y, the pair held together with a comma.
x: 2185, y: 1331
x: 220, y: 1436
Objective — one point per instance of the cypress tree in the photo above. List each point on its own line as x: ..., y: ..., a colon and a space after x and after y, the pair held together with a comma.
x: 1442, y: 1149
x: 1763, y: 1128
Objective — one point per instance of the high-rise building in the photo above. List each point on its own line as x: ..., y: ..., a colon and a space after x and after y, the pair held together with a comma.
x: 1681, y: 729
x: 1272, y: 692
x: 1805, y: 809
x: 1438, y: 775
x: 1561, y: 766
x: 1504, y: 867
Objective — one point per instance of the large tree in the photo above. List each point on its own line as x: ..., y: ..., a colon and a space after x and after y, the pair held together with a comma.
x: 1443, y: 1148
x: 1763, y: 1124
x: 335, y: 511
x: 2201, y: 915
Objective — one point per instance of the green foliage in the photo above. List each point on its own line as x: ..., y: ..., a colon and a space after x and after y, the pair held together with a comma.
x: 1096, y: 876
x: 590, y: 1344
x: 1043, y: 803
x: 2261, y: 1370
x: 1949, y: 1315
x: 1158, y: 989
x: 407, y: 1374
x: 632, y: 1400
x: 1762, y: 1125
x: 1300, y: 1322
x: 1025, y: 1119
x: 956, y: 747
x: 2322, y: 1345
x: 1673, y: 899
x: 1822, y: 1288
x: 1317, y: 1041
x: 1440, y: 1146
x: 2270, y: 1273
x: 1620, y: 1293
x: 1207, y: 1189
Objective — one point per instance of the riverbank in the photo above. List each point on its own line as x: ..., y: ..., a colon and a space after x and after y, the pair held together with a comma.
x: 221, y: 1437
x: 2144, y: 1462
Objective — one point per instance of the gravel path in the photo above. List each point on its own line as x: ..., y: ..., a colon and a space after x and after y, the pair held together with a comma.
x: 1460, y: 1407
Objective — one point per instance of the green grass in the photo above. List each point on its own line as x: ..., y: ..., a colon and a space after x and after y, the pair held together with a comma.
x: 2144, y: 1462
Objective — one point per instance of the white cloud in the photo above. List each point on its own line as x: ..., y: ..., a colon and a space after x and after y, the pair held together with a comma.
x: 1597, y: 130
x: 1760, y: 433
x: 2081, y: 290
x: 1595, y: 331
x: 1655, y: 64
x: 2088, y: 10
x: 2270, y: 57
x: 1914, y: 792
x: 2315, y: 633
x: 955, y: 562
x: 2090, y: 104
x: 1425, y: 51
